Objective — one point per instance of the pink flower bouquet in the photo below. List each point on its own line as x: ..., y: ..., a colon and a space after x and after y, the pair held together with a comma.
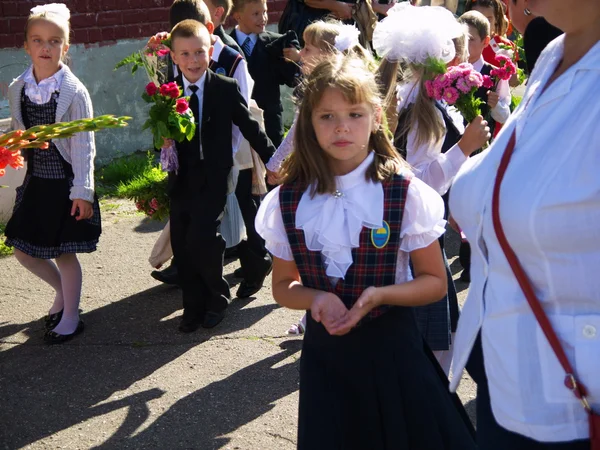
x: 506, y: 70
x: 170, y: 119
x: 153, y: 58
x: 457, y: 87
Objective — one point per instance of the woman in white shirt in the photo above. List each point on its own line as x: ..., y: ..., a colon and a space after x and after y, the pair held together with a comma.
x: 550, y: 212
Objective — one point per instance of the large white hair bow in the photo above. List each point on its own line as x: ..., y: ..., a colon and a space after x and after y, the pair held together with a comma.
x: 414, y: 34
x: 347, y: 37
x: 60, y: 9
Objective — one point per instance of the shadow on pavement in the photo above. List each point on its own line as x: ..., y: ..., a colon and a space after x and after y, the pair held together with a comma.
x: 44, y: 390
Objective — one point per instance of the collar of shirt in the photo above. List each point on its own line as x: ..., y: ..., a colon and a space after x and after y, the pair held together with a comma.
x: 200, y: 83
x: 217, y: 48
x: 478, y: 65
x: 41, y: 92
x: 242, y: 37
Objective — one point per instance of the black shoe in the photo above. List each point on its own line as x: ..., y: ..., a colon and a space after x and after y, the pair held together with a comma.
x: 50, y: 337
x: 51, y: 320
x: 167, y: 276
x: 212, y: 319
x: 190, y: 324
x: 231, y: 253
x: 249, y: 288
x: 238, y: 273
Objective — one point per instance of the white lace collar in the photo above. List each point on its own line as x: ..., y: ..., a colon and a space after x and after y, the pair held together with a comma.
x: 332, y: 223
x: 41, y: 92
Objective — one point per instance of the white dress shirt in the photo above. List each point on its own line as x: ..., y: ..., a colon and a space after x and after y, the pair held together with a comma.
x: 501, y: 111
x: 435, y: 168
x: 200, y: 94
x: 40, y: 93
x: 550, y: 211
x: 333, y: 225
x: 245, y: 82
x: 241, y: 38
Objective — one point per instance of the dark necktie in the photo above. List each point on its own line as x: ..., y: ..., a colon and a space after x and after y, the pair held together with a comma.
x: 247, y: 46
x: 195, y: 107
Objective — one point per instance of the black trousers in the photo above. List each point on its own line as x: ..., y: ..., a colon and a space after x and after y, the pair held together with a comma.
x: 492, y: 436
x: 196, y: 211
x: 274, y: 125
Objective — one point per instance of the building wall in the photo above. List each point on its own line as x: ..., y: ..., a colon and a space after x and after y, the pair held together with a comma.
x: 103, y: 33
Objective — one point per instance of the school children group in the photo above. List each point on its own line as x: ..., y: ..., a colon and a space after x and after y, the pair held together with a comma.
x: 353, y: 234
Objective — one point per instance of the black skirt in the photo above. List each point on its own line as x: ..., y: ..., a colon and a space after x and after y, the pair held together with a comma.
x: 377, y: 388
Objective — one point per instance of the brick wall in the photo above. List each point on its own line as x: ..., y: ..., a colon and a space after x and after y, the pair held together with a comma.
x: 101, y: 21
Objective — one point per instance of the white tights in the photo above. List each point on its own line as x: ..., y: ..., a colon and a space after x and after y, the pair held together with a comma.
x: 65, y: 278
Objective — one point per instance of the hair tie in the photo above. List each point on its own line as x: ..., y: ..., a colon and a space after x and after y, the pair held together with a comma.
x: 60, y: 9
x: 347, y: 37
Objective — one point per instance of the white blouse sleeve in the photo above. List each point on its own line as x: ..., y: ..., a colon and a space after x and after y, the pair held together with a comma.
x: 423, y: 219
x: 283, y: 151
x: 269, y: 225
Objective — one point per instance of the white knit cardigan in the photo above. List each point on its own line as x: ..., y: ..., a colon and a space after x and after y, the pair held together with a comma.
x: 80, y: 150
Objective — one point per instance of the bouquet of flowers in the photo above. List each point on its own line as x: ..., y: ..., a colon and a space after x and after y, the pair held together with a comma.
x: 38, y: 137
x: 457, y: 86
x: 170, y: 119
x: 506, y: 70
x: 152, y: 58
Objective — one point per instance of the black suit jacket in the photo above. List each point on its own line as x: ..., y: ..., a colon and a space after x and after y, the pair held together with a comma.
x: 269, y: 70
x: 222, y: 105
x: 228, y: 40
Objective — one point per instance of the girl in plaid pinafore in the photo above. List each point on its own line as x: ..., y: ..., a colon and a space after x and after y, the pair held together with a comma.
x: 56, y: 213
x: 341, y: 229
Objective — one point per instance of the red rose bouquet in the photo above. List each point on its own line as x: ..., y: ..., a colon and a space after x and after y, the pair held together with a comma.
x: 170, y: 119
x: 457, y: 86
x: 153, y: 58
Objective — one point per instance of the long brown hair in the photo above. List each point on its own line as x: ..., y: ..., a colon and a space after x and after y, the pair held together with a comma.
x: 308, y: 164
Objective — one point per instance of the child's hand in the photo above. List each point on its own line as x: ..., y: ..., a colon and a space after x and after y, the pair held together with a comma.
x: 475, y: 136
x: 328, y: 309
x: 292, y: 54
x: 368, y: 300
x: 168, y: 143
x: 85, y: 209
x: 493, y: 99
x: 342, y: 10
x: 273, y: 178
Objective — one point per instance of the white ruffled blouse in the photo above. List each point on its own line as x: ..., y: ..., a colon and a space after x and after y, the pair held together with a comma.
x: 40, y: 93
x: 332, y: 223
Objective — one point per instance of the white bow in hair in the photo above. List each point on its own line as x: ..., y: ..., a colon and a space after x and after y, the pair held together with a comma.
x: 347, y: 37
x: 60, y: 9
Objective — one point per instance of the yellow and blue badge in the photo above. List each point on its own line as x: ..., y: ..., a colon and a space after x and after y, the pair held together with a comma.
x: 380, y: 236
x: 221, y: 71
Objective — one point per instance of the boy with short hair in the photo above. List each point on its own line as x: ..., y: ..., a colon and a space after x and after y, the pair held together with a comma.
x: 198, y: 190
x: 219, y: 12
x: 266, y: 63
x: 497, y: 103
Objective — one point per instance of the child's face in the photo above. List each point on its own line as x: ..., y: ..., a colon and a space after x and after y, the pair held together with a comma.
x: 476, y: 44
x: 343, y: 130
x: 45, y: 45
x: 252, y: 18
x: 488, y: 12
x: 310, y: 57
x: 192, y: 55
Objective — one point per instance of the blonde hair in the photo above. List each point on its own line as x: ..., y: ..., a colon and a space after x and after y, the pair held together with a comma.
x: 322, y: 34
x: 308, y: 163
x: 60, y: 21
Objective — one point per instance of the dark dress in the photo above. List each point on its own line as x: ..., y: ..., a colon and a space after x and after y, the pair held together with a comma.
x: 438, y: 320
x: 41, y: 225
x: 379, y: 386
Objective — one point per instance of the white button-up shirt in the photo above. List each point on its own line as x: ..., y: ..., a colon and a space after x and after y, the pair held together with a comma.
x: 550, y: 211
x: 40, y: 93
x: 200, y: 94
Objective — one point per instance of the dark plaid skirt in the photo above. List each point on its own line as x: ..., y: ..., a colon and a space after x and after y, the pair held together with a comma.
x: 377, y: 388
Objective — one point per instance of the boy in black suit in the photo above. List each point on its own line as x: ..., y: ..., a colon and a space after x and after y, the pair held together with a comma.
x: 266, y: 64
x: 198, y: 190
x: 219, y: 12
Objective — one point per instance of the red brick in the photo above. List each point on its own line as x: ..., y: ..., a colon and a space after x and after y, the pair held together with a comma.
x: 109, y: 18
x: 158, y: 15
x: 120, y: 32
x: 274, y: 16
x: 108, y: 5
x: 108, y: 33
x: 10, y: 9
x: 135, y: 16
x: 134, y: 4
x: 8, y: 41
x: 17, y: 25
x: 80, y: 37
x: 94, y: 35
x: 81, y: 6
x: 83, y: 20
